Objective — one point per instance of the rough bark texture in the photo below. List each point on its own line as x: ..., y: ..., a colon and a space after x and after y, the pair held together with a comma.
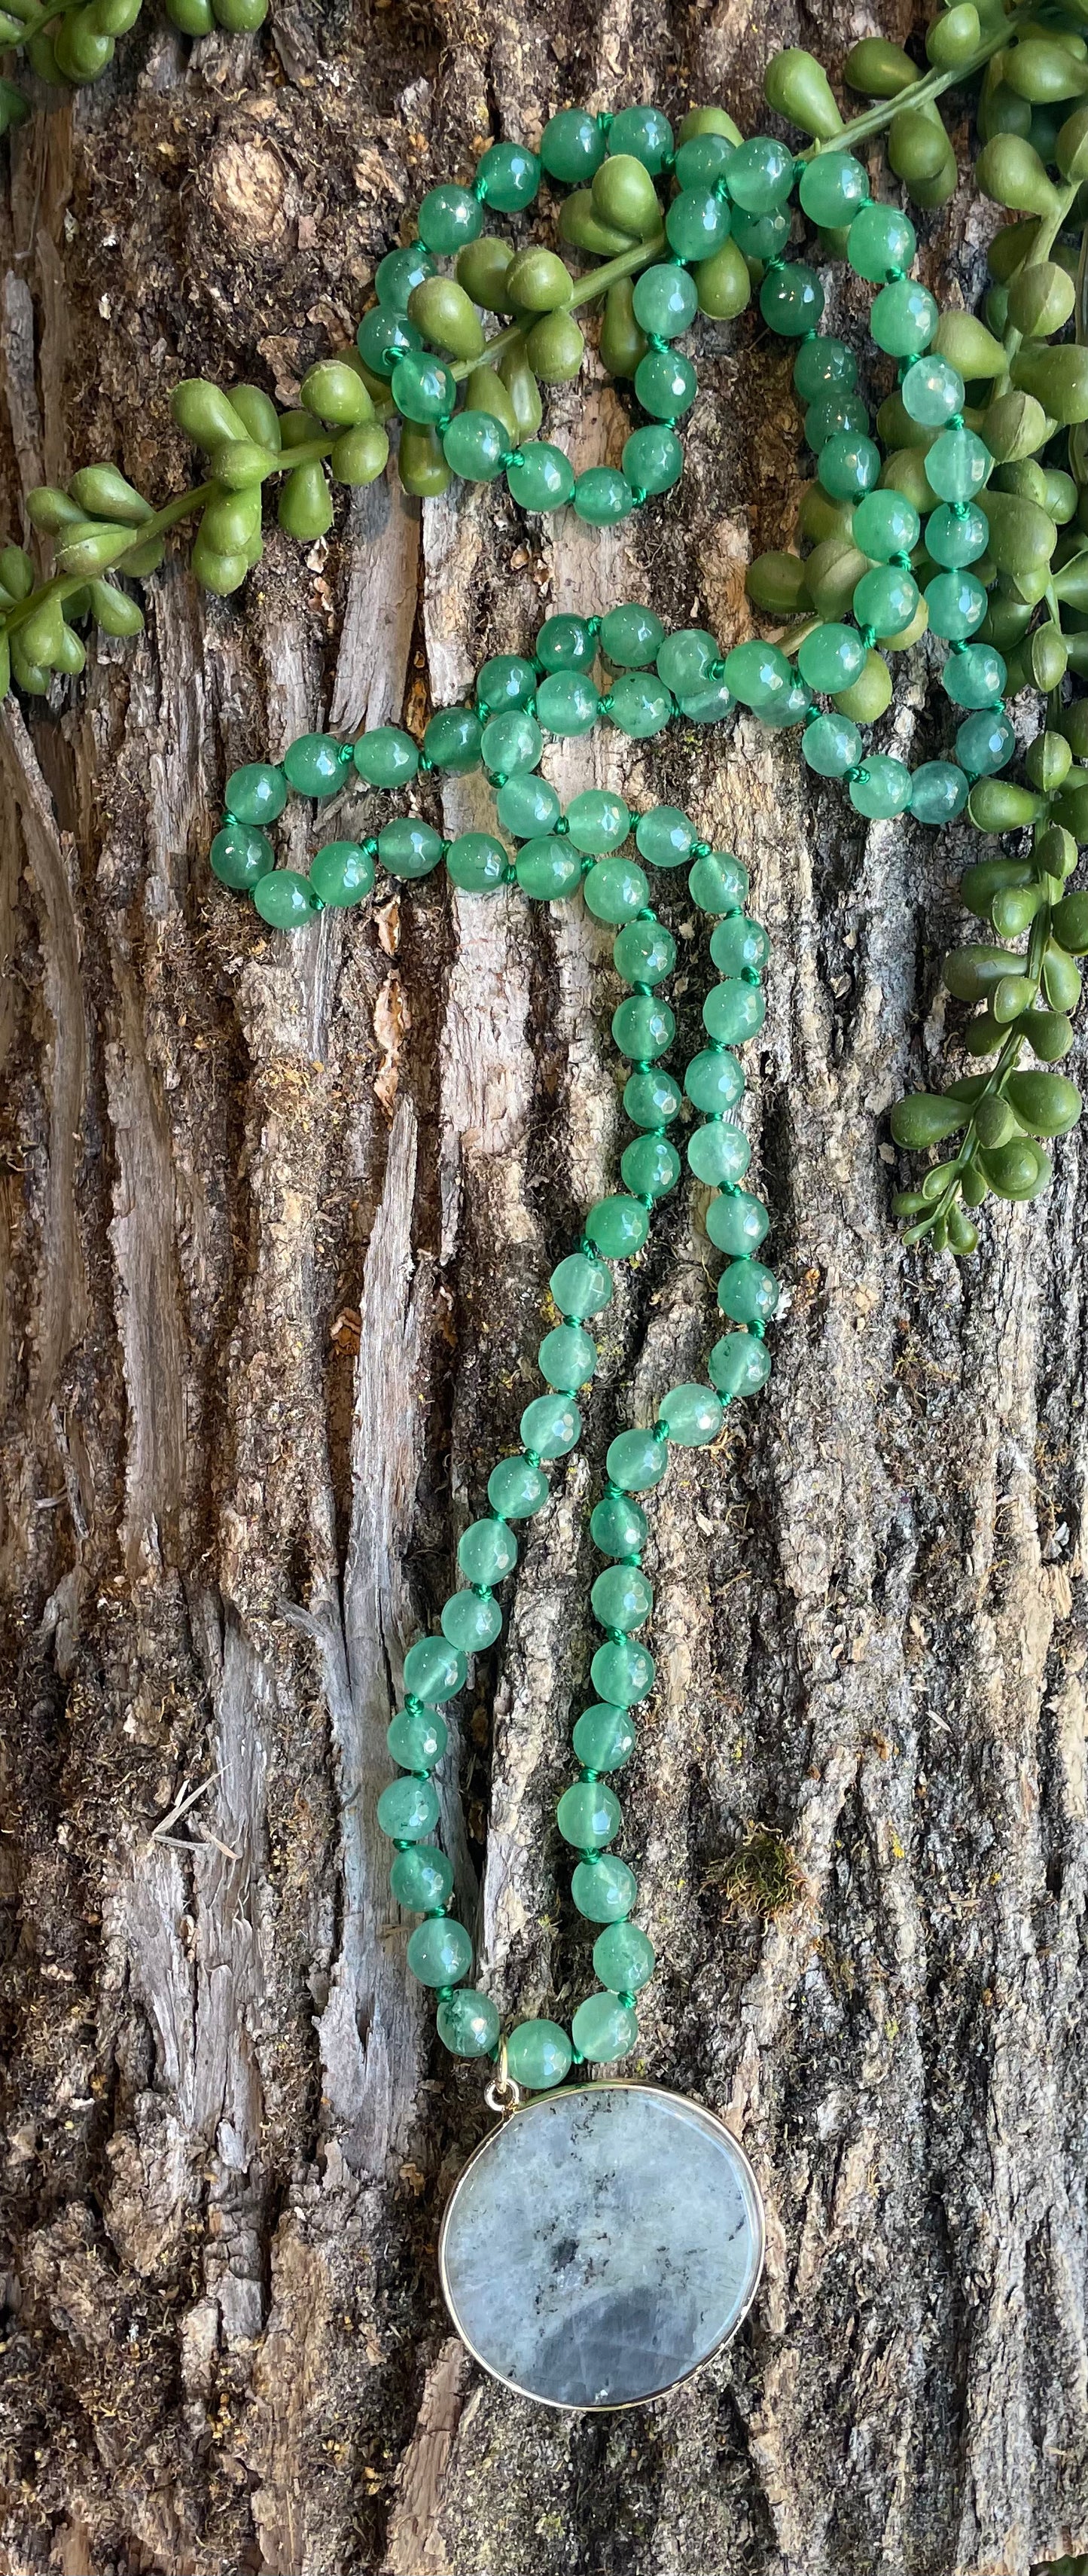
x: 277, y: 1219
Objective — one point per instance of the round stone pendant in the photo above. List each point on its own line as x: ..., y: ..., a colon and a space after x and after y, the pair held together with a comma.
x: 601, y: 2244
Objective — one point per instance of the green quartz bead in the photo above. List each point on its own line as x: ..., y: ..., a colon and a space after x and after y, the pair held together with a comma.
x: 470, y: 1623
x: 504, y: 683
x: 829, y: 418
x: 739, y: 946
x: 476, y: 446
x: 957, y: 604
x: 757, y: 674
x: 630, y: 637
x: 886, y: 524
x: 665, y: 384
x: 257, y: 793
x: 507, y: 177
x: 635, y: 1461
x: 409, y: 848
x: 733, y: 1011
x: 976, y: 677
x: 717, y: 882
x: 885, y: 599
x: 714, y: 1081
x: 848, y: 466
x: 703, y: 156
x: 422, y: 388
x: 581, y: 1286
x: 468, y: 2023
x: 748, y: 1292
x: 643, y: 1028
x: 882, y: 789
x: 622, y: 1597
x: 623, y: 1959
x: 623, y: 1673
x: 511, y: 742
x: 567, y: 703
x: 382, y: 338
x: 645, y: 133
x: 552, y: 1425
x: 761, y: 175
x: 665, y: 300
x: 341, y: 873
x: 903, y: 318
x: 955, y: 538
x: 665, y: 836
x: 517, y: 1488
x: 387, y: 757
x: 650, y: 1167
x: 566, y: 644
x: 618, y: 1527
x: 527, y: 807
x: 408, y: 1810
x: 240, y: 856
x: 284, y: 899
x: 487, y: 1550
x: 604, y: 1736
x: 639, y: 705
x: 697, y: 224
x: 618, y: 1227
x: 692, y: 1415
x: 598, y: 821
x: 453, y: 738
x: 572, y: 146
x: 421, y: 1878
x: 824, y: 366
x: 685, y: 659
x: 831, y: 658
x: 791, y: 299
x: 985, y: 743
x: 737, y: 1224
x: 448, y: 218
x: 957, y: 465
x: 643, y: 951
x: 739, y: 1365
x: 651, y: 1098
x: 567, y: 1358
x: 831, y: 746
x: 604, y: 1890
x: 718, y: 1153
x: 652, y: 460
x: 439, y: 1951
x: 540, y: 477
x: 477, y: 863
x: 880, y: 238
x: 588, y: 1815
x: 932, y: 392
x: 398, y: 274
x: 538, y: 2053
x: 433, y: 1670
x: 938, y: 791
x: 417, y: 1740
x: 604, y: 2030
x: 833, y: 188
x: 616, y: 889
x: 313, y: 766
x: 548, y: 870
x: 602, y: 496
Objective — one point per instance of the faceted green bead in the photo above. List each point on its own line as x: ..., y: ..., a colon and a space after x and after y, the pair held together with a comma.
x: 954, y: 540
x: 957, y: 465
x: 938, y: 791
x: 761, y: 175
x: 604, y: 1737
x: 703, y: 158
x: 932, y: 392
x: 665, y: 384
x: 284, y: 899
x: 636, y: 1462
x: 903, y: 318
x: 477, y: 863
x: 714, y: 1081
x: 651, y: 1098
x: 566, y: 644
x: 737, y: 1224
x: 517, y: 1489
x: 665, y: 300
x: 748, y: 1292
x: 886, y: 524
x: 383, y: 337
x: 398, y: 274
x: 833, y: 187
x: 508, y: 176
x: 452, y: 739
x: 985, y: 743
x: 505, y: 682
x: 439, y: 1951
x: 622, y: 1597
x: 623, y: 1959
x: 639, y: 705
x: 476, y: 446
x: 409, y: 848
x: 511, y: 742
x: 739, y: 946
x: 588, y: 1815
x: 567, y: 703
x: 707, y: 704
x: 448, y: 218
x: 831, y: 416
x: 604, y: 2030
x: 792, y: 708
x: 733, y: 1011
x: 541, y: 477
x: 650, y: 1167
x: 422, y: 388
x: 976, y: 677
x: 615, y: 889
x: 885, y: 599
x: 527, y: 807
x: 643, y: 1027
x: 470, y: 1623
x: 417, y: 1740
x: 717, y: 882
x: 697, y: 224
x: 718, y: 1153
x: 762, y: 237
x: 341, y: 873
x: 692, y: 1415
x: 581, y: 1286
x: 665, y: 836
x: 421, y: 1878
x: 240, y: 856
x: 486, y: 1550
x: 548, y: 870
x: 468, y: 2023
x: 604, y: 1890
x: 313, y: 765
x: 791, y: 299
x: 757, y: 674
x: 572, y: 146
x: 739, y: 1365
x: 686, y: 658
x: 643, y: 951
x: 880, y: 238
x: 831, y: 658
x: 256, y: 793
x: 631, y: 636
x: 652, y: 460
x: 617, y: 1527
x: 646, y: 134
x: 957, y: 604
x: 823, y: 366
x: 602, y: 496
x: 433, y: 1670
x: 598, y: 821
x: 552, y: 1425
x: 387, y: 757
x: 831, y: 746
x: 619, y: 1228
x: 408, y: 1810
x: 883, y: 789
x: 623, y: 1673
x: 567, y: 1358
x: 848, y: 466
x: 538, y: 2053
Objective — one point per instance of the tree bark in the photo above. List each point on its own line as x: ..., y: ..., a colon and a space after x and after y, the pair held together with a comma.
x: 277, y: 1221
